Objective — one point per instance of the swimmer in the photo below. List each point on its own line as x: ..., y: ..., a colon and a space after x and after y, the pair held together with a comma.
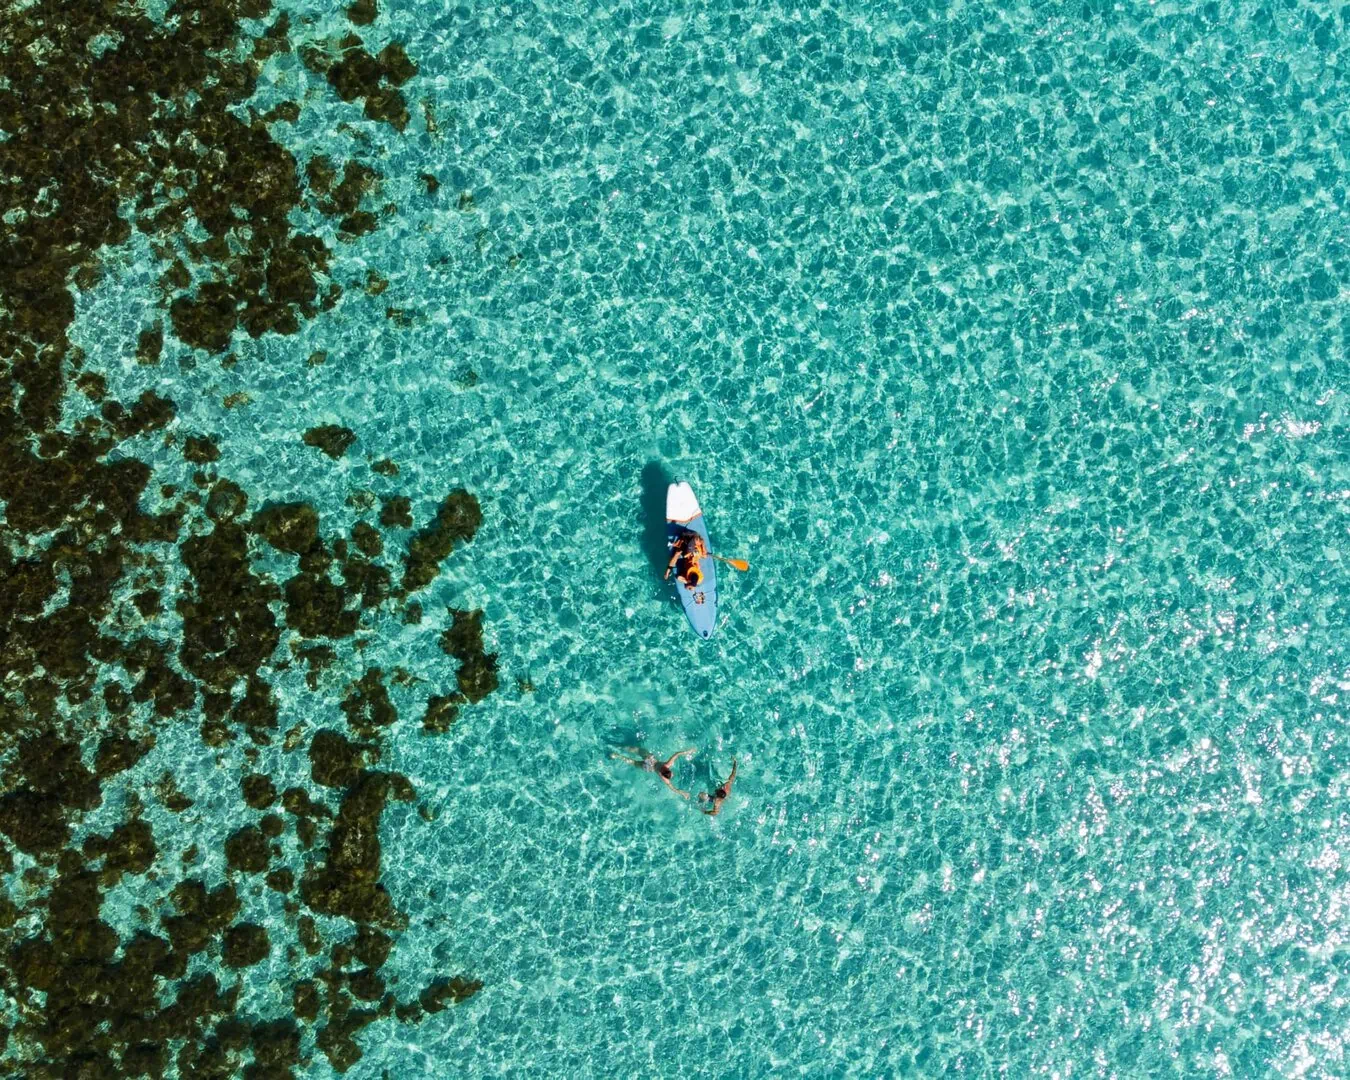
x: 647, y: 762
x: 720, y: 794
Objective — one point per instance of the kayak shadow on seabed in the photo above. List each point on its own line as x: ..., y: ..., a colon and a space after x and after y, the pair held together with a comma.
x: 655, y: 480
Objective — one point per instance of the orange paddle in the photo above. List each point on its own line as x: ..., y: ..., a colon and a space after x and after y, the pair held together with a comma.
x: 739, y: 564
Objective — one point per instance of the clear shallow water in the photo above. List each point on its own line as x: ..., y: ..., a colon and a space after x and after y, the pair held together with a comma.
x: 1010, y: 349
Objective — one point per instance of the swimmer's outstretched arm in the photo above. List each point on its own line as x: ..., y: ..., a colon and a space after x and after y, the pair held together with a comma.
x: 678, y: 791
x: 671, y: 761
x: 724, y: 786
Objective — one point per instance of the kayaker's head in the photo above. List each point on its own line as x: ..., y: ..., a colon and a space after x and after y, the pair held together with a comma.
x: 694, y: 576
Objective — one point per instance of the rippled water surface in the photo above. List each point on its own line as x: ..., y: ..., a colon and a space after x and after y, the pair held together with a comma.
x: 1009, y: 346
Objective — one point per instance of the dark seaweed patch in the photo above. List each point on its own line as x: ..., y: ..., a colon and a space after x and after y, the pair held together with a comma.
x: 316, y: 607
x: 291, y: 527
x: 167, y: 792
x: 201, y: 915
x: 367, y: 538
x: 365, y: 579
x: 247, y: 849
x: 149, y: 345
x: 282, y: 880
x: 367, y: 707
x: 259, y: 791
x: 154, y: 122
x: 355, y: 74
x: 477, y: 675
x: 117, y: 753
x: 287, y: 112
x: 245, y: 945
x: 372, y: 947
x: 332, y: 439
x: 457, y: 519
x: 396, y: 512
x: 35, y: 823
x: 226, y: 502
x: 199, y: 450
x: 435, y: 997
x: 347, y: 884
x: 334, y: 760
x: 228, y: 628
x: 362, y: 12
x: 441, y: 713
x: 317, y: 659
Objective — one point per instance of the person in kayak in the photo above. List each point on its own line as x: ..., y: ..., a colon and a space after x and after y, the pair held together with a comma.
x: 647, y: 762
x: 720, y: 794
x: 684, y: 559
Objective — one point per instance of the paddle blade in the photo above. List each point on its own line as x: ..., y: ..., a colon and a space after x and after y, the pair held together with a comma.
x: 739, y: 564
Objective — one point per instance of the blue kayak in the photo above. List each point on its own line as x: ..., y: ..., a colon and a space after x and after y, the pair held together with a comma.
x: 684, y: 515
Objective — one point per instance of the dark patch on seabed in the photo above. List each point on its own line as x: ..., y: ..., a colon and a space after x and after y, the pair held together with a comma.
x: 104, y: 111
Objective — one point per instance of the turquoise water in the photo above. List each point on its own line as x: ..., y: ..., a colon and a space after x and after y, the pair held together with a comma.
x: 1010, y: 349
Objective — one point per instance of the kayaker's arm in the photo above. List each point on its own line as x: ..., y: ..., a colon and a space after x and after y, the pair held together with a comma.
x: 676, y: 552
